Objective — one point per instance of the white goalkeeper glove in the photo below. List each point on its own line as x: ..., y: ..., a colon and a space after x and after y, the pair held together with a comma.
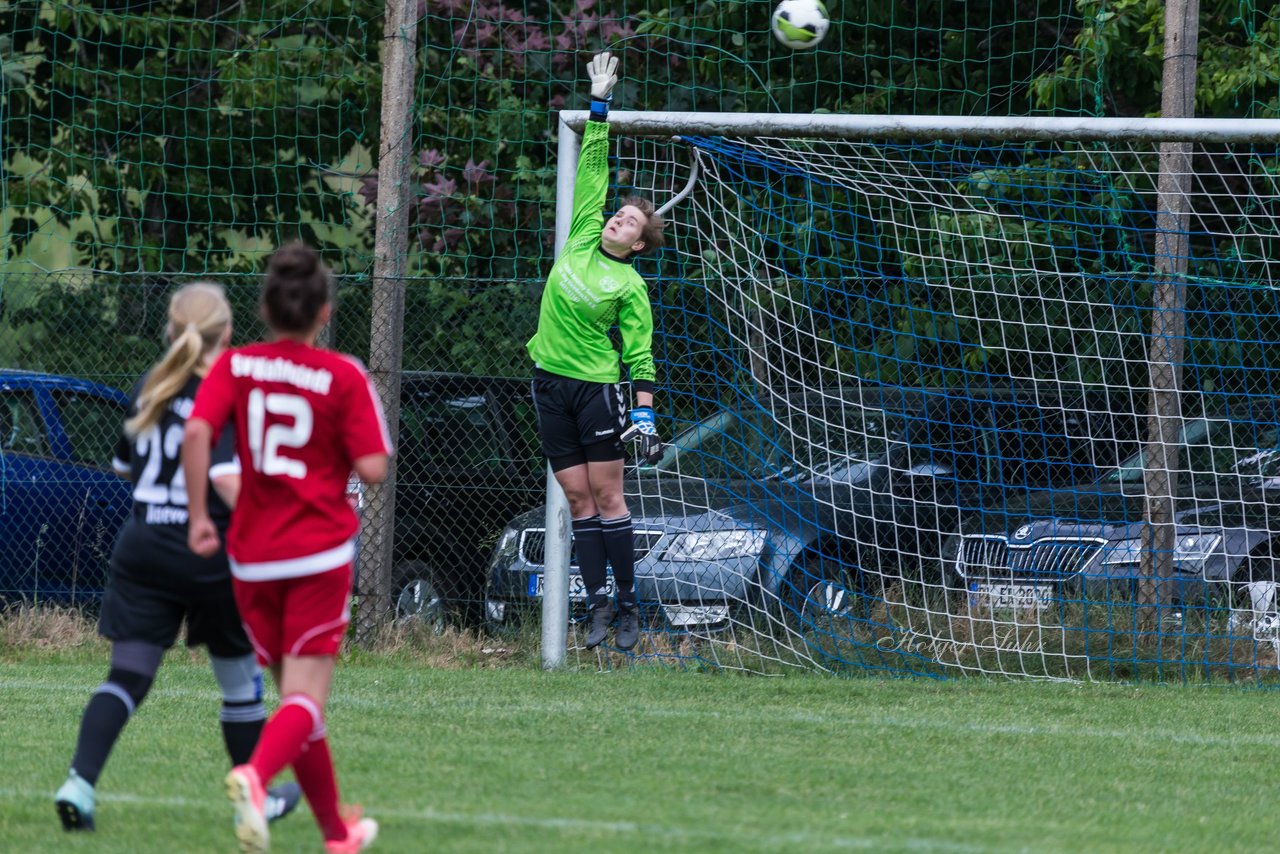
x: 644, y: 432
x: 603, y: 72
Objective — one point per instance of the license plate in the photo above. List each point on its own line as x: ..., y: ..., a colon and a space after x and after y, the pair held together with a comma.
x: 577, y: 589
x: 1011, y: 597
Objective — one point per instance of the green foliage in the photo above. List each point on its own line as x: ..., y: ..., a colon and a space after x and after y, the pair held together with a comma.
x: 179, y: 132
x: 74, y: 327
x: 1116, y: 66
x: 191, y: 137
x: 931, y: 57
x: 111, y: 328
x: 450, y: 324
x: 1231, y: 335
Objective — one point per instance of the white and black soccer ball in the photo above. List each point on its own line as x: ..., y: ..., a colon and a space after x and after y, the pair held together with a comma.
x: 800, y: 24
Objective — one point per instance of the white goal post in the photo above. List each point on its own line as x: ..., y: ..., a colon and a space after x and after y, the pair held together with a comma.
x: 970, y: 258
x: 871, y: 127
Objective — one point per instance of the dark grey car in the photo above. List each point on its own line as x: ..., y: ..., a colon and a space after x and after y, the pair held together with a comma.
x: 1085, y: 544
x: 776, y: 509
x: 702, y: 548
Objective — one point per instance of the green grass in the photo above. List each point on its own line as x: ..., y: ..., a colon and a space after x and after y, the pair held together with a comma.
x: 516, y: 759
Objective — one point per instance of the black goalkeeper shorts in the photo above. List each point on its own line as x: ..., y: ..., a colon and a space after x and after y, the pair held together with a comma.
x: 578, y: 421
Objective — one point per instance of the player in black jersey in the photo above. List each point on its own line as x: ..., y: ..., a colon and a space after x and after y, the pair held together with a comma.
x: 155, y: 581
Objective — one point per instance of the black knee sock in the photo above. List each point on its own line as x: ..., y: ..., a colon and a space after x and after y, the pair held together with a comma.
x: 589, y: 545
x: 105, y: 716
x: 241, y: 727
x: 620, y: 546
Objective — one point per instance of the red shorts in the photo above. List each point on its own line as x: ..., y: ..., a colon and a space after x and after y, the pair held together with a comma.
x: 307, y: 615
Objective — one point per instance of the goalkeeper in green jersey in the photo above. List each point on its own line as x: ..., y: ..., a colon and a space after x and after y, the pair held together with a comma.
x: 582, y: 418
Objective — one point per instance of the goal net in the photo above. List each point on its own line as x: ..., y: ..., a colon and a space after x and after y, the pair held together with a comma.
x: 960, y: 397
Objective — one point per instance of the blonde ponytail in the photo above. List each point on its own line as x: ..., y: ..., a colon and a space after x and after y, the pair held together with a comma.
x: 199, y: 317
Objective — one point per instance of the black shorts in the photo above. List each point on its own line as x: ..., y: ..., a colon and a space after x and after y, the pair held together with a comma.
x: 151, y: 608
x: 578, y: 421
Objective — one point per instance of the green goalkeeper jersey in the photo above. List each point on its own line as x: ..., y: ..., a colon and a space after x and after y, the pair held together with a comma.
x: 589, y: 291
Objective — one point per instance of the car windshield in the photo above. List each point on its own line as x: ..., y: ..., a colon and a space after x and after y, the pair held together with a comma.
x: 837, y: 442
x: 1218, y: 447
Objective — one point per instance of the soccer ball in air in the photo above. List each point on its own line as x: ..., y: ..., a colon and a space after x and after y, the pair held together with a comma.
x: 800, y: 24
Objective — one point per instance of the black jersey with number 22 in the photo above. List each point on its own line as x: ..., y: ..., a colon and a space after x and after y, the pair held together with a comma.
x: 154, y: 539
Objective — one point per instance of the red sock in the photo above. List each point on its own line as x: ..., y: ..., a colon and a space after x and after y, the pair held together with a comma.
x: 315, y: 773
x: 285, y: 735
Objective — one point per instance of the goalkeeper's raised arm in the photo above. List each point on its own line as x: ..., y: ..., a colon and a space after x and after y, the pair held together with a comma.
x: 577, y: 388
x: 591, y: 183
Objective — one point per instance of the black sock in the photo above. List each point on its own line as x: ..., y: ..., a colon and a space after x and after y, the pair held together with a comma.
x: 241, y: 725
x: 620, y: 546
x: 105, y: 716
x: 589, y: 546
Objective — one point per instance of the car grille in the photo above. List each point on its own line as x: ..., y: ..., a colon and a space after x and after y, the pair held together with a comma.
x: 993, y: 556
x: 533, y: 545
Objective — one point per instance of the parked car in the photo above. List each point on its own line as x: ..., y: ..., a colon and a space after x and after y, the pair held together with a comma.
x: 467, y: 461
x: 753, y: 506
x: 959, y: 455
x: 60, y: 503
x: 1085, y: 544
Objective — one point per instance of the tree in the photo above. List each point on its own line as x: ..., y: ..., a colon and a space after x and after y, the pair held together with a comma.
x: 188, y: 130
x: 1116, y: 63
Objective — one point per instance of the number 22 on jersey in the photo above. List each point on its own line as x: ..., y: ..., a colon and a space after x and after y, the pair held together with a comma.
x: 162, y: 480
x: 267, y: 442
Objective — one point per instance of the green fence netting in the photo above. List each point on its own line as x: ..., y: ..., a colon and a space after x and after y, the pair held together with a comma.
x: 147, y: 144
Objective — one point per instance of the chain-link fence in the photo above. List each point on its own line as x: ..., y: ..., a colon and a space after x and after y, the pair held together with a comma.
x: 187, y: 142
x: 467, y: 456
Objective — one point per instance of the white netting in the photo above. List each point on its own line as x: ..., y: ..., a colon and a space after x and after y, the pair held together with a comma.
x: 908, y: 381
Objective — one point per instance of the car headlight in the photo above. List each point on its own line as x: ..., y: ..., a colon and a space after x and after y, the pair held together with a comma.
x: 716, y: 545
x: 506, y: 542
x: 1195, y: 549
x: 1123, y: 551
x: 1189, y: 549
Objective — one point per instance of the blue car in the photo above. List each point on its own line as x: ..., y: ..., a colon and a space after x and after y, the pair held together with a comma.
x: 61, y: 505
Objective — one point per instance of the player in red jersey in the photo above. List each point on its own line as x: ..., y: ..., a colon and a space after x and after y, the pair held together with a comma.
x: 304, y: 419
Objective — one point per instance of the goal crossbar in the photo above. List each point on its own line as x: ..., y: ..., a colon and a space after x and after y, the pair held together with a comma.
x: 830, y: 126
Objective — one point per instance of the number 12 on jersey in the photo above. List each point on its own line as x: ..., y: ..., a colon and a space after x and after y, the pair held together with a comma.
x: 267, y: 442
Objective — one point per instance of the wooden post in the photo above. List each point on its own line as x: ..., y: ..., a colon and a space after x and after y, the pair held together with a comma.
x: 386, y: 334
x: 1169, y: 321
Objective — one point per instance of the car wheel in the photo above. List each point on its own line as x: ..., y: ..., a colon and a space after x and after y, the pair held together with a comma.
x: 828, y: 619
x: 1255, y: 601
x: 803, y: 592
x: 419, y: 599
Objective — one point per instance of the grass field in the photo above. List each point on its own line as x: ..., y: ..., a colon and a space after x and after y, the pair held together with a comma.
x: 513, y: 759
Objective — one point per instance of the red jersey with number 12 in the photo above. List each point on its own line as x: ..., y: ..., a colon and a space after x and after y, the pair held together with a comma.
x: 302, y: 416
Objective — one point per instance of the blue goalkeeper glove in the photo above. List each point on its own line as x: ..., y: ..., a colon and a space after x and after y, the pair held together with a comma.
x: 644, y: 432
